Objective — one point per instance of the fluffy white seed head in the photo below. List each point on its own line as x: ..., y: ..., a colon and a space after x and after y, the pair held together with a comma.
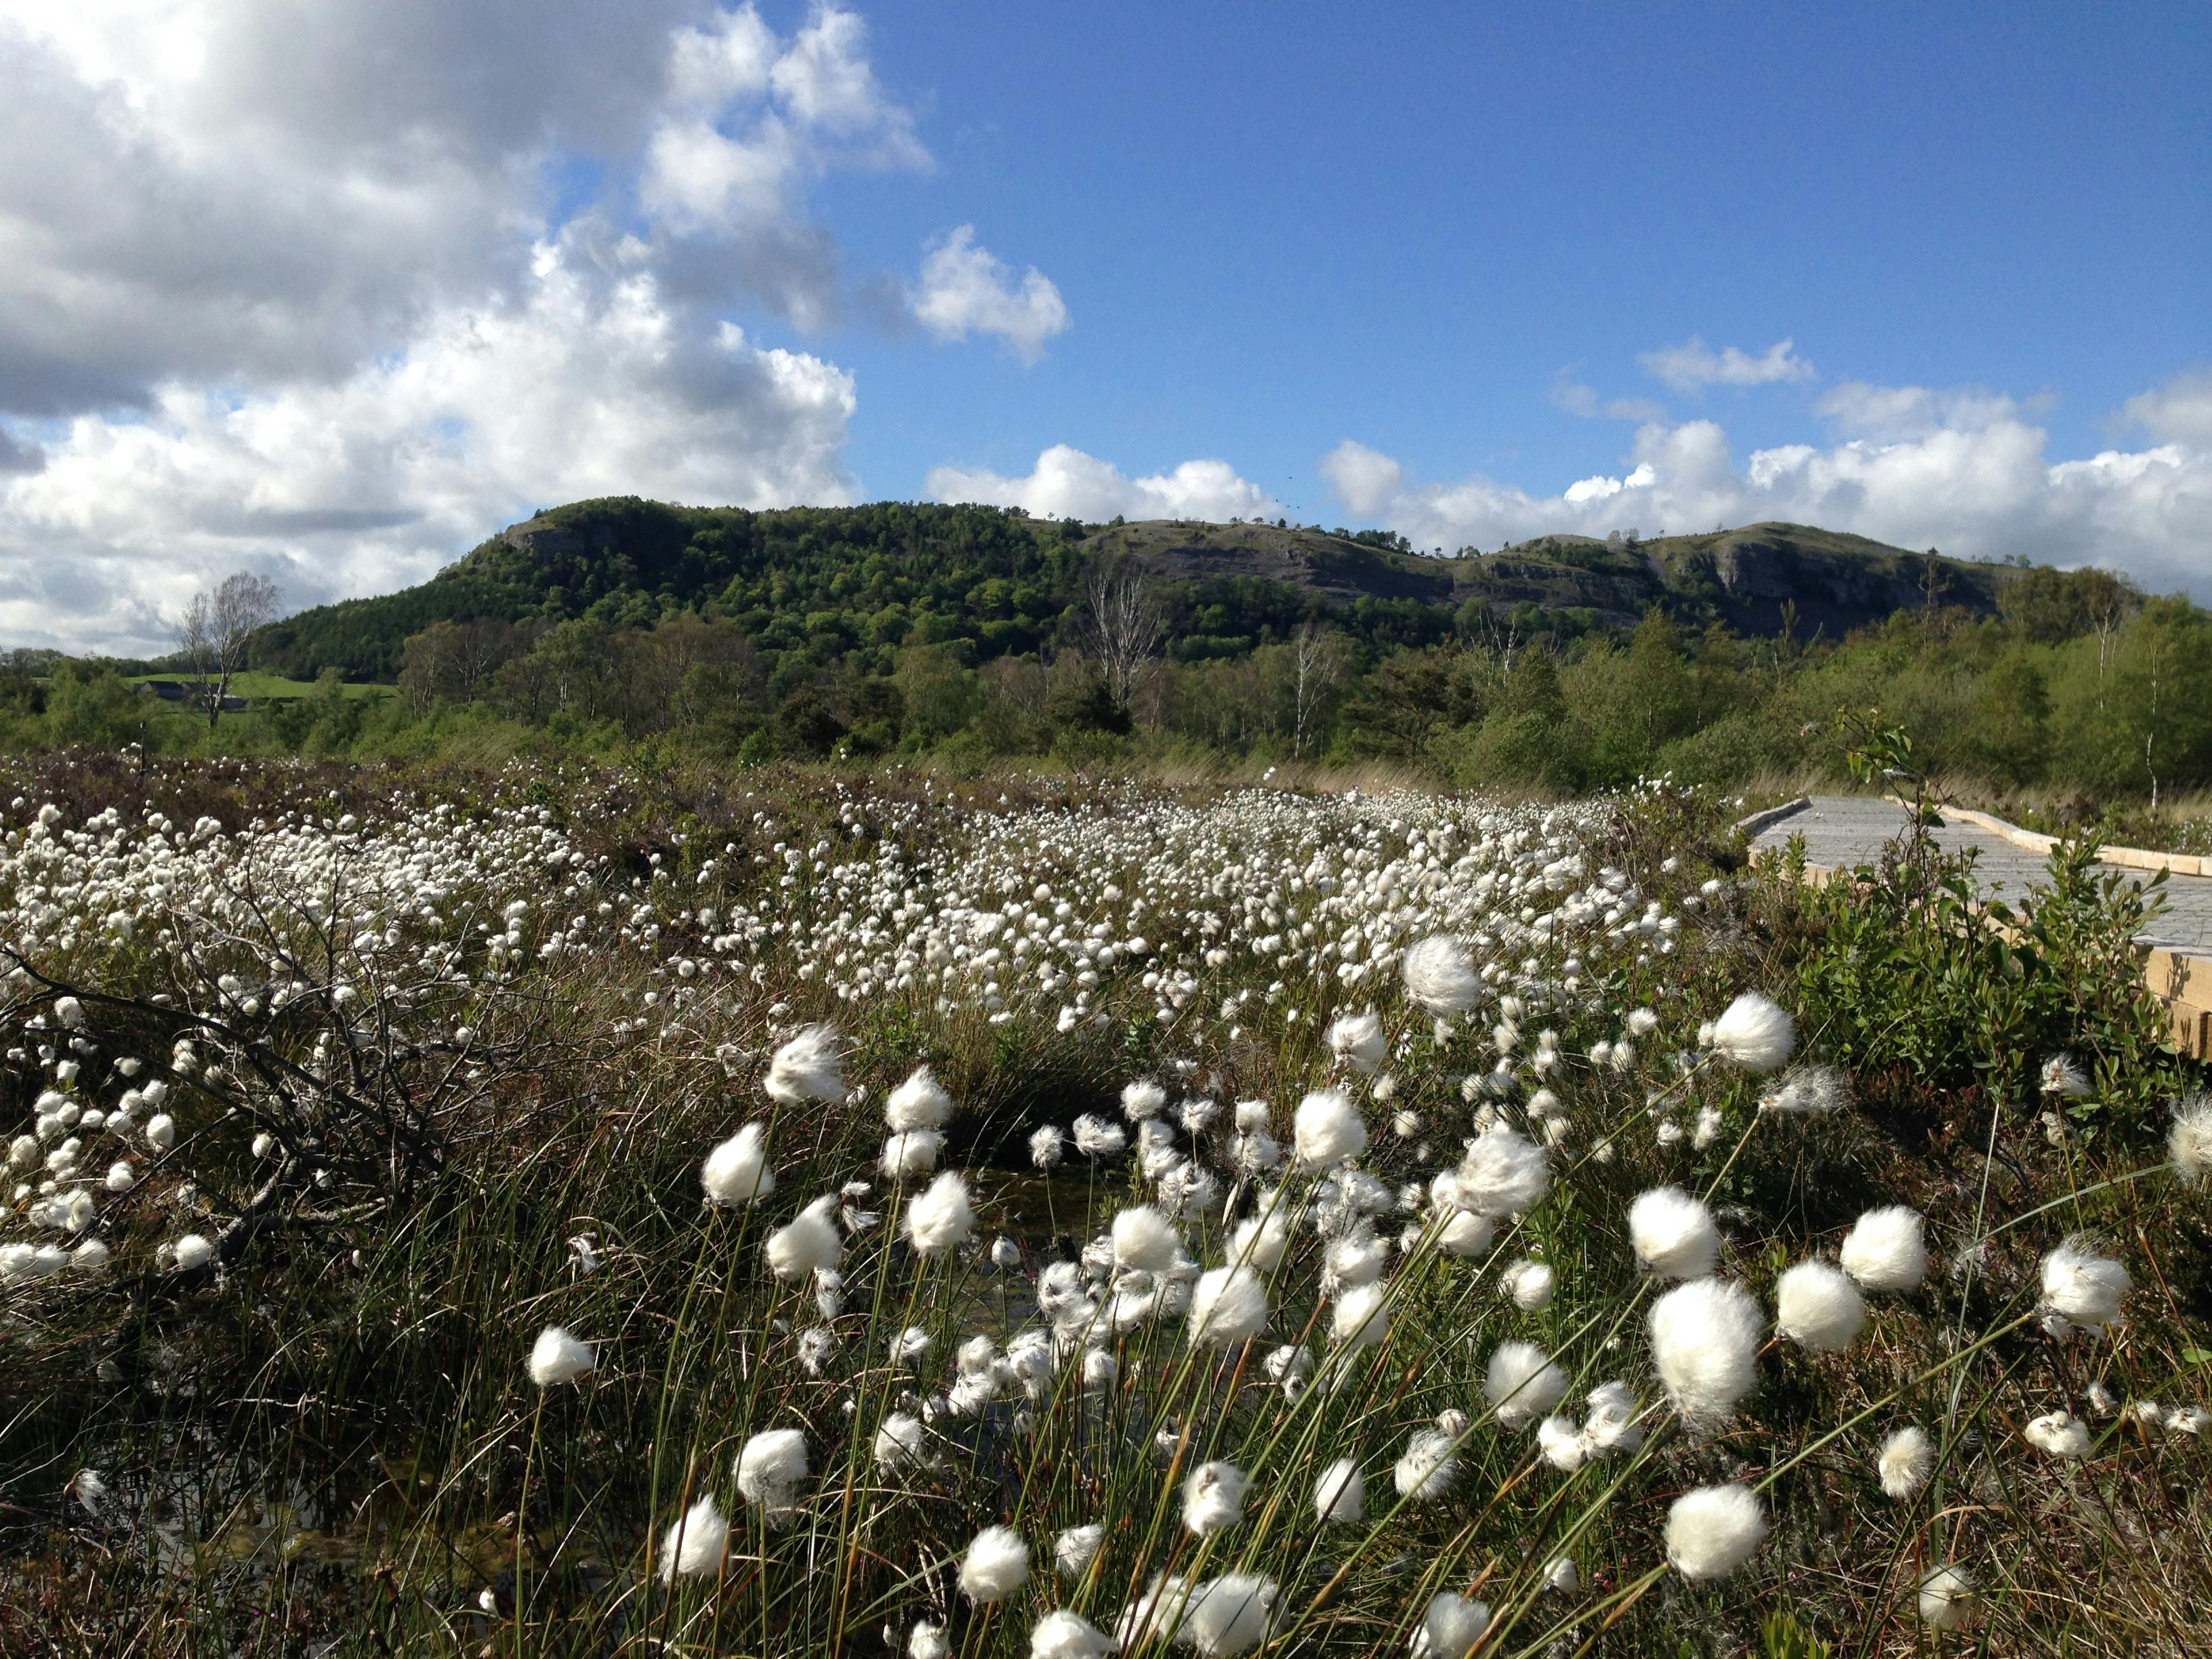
x: 1073, y: 1551
x: 2081, y: 1287
x: 1214, y: 1497
x: 1503, y: 1173
x: 901, y: 1443
x: 1451, y: 1626
x: 1713, y: 1530
x: 911, y: 1152
x: 1145, y: 1240
x: 1427, y: 1467
x: 1464, y: 1233
x: 1946, y: 1598
x: 1328, y: 1129
x: 1521, y: 1383
x: 1362, y: 1316
x: 1439, y: 976
x: 926, y: 1641
x: 1907, y: 1459
x: 1358, y: 1040
x: 771, y: 1467
x: 920, y: 1102
x: 693, y: 1545
x: 1260, y: 1239
x: 1817, y: 1307
x: 1047, y: 1147
x: 1674, y: 1234
x: 809, y: 1243
x: 1229, y: 1615
x: 2064, y: 1077
x: 2060, y: 1434
x: 1228, y: 1305
x: 810, y: 1066
x: 2189, y: 1143
x: 736, y: 1172
x: 1562, y: 1444
x: 1705, y: 1341
x: 1142, y: 1099
x: 1887, y: 1249
x: 941, y: 1217
x: 1063, y: 1634
x: 997, y: 1565
x: 1530, y: 1284
x: 557, y: 1356
x: 1754, y: 1033
x: 1340, y: 1494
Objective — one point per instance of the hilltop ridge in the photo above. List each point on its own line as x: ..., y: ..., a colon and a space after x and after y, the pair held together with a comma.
x: 893, y: 572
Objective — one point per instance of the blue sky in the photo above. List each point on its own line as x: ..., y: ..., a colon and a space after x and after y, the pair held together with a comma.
x: 1403, y: 225
x: 332, y: 294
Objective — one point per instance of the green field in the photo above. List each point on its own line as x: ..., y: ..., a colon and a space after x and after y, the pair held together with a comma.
x: 255, y: 683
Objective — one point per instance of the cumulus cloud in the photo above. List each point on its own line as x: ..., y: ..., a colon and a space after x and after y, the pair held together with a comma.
x: 2181, y: 411
x: 331, y: 292
x: 373, y: 481
x: 1968, y: 472
x: 1067, y: 483
x: 1574, y: 398
x: 965, y: 289
x: 1365, y: 480
x: 1693, y: 366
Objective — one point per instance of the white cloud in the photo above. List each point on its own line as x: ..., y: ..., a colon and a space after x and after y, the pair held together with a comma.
x: 309, y: 289
x: 591, y: 383
x: 1067, y: 483
x: 966, y: 289
x: 1576, y: 399
x: 1967, y: 471
x: 2181, y: 411
x: 1363, y: 479
x: 1693, y: 364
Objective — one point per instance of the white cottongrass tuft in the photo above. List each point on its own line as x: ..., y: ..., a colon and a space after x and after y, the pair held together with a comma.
x: 771, y: 1467
x: 1817, y: 1307
x: 1047, y: 1147
x: 693, y: 1545
x: 1062, y: 1634
x: 1503, y: 1173
x: 1439, y: 976
x: 2064, y: 1077
x: 1451, y: 1626
x: 1754, y: 1033
x: 1906, y: 1460
x: 997, y: 1565
x: 1946, y: 1598
x: 1530, y: 1284
x: 1712, y: 1531
x: 926, y: 1641
x: 1229, y: 1615
x: 557, y: 1356
x: 2189, y: 1143
x: 807, y: 1244
x: 1214, y: 1497
x: 1705, y: 1341
x: 1427, y: 1467
x: 810, y: 1066
x: 1143, y: 1099
x: 194, y: 1252
x: 1074, y: 1550
x: 1674, y: 1234
x: 901, y: 1443
x: 736, y: 1172
x: 911, y: 1152
x: 1358, y: 1040
x: 1228, y: 1305
x: 1887, y: 1249
x: 1611, y: 1425
x: 1340, y: 1494
x: 2060, y: 1434
x: 1096, y: 1138
x: 1362, y: 1317
x: 1464, y: 1233
x: 2081, y: 1287
x: 1809, y: 1092
x: 1521, y: 1383
x: 920, y: 1102
x: 1145, y: 1240
x: 1327, y: 1128
x: 940, y: 1218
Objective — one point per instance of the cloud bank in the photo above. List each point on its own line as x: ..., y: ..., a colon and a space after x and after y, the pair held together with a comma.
x: 1067, y: 483
x: 1966, y: 471
x: 329, y: 293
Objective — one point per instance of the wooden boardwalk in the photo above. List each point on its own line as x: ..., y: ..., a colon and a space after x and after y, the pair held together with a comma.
x: 1843, y: 831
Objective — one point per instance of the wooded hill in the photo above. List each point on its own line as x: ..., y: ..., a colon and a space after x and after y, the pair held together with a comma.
x: 831, y: 583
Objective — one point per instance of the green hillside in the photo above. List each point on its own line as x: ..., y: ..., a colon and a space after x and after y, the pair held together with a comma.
x: 835, y: 584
